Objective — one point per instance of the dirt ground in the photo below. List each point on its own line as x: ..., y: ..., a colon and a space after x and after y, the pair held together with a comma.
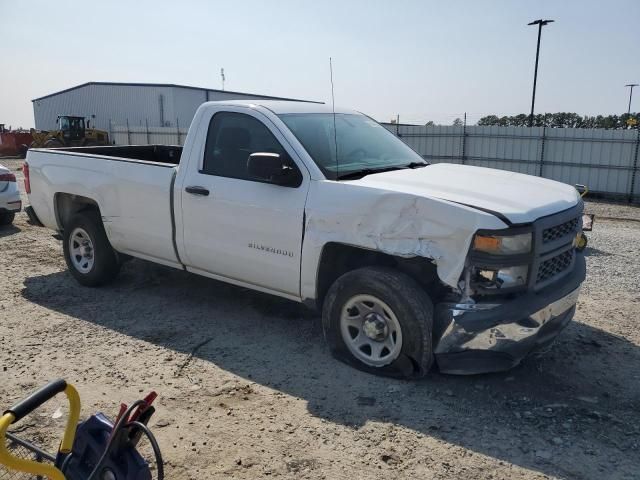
x: 247, y: 388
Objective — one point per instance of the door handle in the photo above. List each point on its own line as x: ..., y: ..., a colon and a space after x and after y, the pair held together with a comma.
x: 196, y: 190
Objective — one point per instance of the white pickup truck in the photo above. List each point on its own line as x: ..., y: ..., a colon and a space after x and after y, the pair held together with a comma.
x: 410, y: 263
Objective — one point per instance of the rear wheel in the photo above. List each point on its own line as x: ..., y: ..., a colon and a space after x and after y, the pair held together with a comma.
x: 90, y: 257
x: 7, y: 218
x: 380, y: 320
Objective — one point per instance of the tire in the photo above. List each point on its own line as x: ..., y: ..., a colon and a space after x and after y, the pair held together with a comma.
x: 7, y: 218
x: 90, y: 257
x: 402, y: 318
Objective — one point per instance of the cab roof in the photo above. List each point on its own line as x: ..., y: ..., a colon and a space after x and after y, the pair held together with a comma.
x: 283, y: 107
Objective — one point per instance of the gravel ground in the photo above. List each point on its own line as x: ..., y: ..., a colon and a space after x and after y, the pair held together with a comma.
x: 248, y: 389
x: 613, y: 211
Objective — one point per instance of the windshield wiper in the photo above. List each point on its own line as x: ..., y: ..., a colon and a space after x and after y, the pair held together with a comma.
x: 368, y: 171
x: 416, y: 164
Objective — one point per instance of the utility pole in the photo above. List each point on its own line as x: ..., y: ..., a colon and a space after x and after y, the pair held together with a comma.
x: 630, y: 85
x: 541, y: 23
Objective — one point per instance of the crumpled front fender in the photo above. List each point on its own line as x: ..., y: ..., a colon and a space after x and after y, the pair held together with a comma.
x: 394, y: 223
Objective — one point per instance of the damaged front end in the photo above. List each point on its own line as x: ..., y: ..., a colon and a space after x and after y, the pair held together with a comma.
x: 517, y: 292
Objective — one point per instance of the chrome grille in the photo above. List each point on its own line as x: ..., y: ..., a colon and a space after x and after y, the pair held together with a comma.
x: 555, y: 265
x: 558, y: 231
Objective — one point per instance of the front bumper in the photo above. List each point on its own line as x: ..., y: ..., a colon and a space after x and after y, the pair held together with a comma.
x: 491, y: 338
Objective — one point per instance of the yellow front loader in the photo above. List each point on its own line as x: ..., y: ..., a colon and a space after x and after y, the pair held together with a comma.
x: 71, y: 132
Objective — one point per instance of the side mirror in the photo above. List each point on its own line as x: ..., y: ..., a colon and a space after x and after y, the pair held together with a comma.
x: 272, y: 168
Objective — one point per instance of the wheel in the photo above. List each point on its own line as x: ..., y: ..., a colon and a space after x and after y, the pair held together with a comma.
x: 53, y: 143
x: 380, y: 320
x: 90, y: 257
x: 7, y: 218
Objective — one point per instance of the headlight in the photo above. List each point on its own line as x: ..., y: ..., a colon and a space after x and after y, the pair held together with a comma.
x: 505, y: 277
x: 503, y: 244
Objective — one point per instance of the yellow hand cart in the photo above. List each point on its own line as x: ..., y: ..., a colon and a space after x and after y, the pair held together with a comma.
x: 96, y: 449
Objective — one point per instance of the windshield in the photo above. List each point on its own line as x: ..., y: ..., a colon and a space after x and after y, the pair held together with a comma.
x: 362, y: 143
x: 71, y: 123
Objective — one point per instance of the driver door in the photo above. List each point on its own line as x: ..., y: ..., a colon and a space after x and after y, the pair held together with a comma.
x: 235, y: 227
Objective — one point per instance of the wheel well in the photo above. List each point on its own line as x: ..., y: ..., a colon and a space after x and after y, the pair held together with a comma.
x: 67, y: 205
x: 338, y: 259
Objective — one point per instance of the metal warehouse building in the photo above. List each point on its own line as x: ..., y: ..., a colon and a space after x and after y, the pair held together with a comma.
x: 105, y: 103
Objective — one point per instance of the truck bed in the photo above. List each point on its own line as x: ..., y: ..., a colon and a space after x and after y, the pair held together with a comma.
x: 169, y: 154
x: 131, y: 186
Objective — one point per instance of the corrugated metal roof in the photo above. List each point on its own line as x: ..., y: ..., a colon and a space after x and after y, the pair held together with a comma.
x: 125, y: 84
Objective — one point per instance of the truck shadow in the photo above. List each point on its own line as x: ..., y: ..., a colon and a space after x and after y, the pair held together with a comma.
x: 566, y: 414
x: 7, y: 230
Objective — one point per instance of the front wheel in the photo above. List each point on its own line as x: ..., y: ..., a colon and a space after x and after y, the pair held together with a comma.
x: 380, y: 320
x: 90, y: 257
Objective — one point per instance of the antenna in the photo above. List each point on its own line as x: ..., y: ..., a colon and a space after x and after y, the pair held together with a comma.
x: 222, y: 76
x: 333, y: 107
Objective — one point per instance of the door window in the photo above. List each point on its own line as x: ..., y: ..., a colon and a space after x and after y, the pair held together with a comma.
x: 231, y: 138
x: 77, y: 123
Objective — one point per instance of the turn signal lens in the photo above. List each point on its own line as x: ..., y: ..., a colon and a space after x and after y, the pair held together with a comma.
x: 486, y: 244
x: 7, y: 177
x: 27, y: 178
x: 503, y: 244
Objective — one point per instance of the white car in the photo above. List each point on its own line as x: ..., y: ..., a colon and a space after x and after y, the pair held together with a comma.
x: 10, y: 202
x: 410, y: 263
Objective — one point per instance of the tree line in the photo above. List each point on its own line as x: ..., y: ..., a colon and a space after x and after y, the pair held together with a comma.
x: 565, y: 120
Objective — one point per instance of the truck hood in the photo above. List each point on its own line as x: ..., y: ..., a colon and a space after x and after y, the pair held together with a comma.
x: 517, y: 197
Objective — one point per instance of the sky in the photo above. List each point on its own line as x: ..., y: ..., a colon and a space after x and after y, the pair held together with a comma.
x: 422, y: 60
